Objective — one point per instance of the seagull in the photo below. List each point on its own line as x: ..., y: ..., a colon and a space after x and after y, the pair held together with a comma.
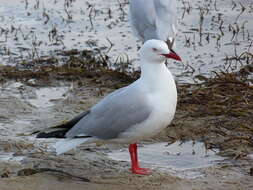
x: 154, y: 19
x: 129, y: 114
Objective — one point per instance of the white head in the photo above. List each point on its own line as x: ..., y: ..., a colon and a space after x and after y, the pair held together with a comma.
x: 157, y: 51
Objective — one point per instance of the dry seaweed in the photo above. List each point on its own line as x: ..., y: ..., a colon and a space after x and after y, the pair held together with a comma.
x: 219, y: 112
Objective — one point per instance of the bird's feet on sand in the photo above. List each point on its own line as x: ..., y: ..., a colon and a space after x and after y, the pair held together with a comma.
x: 141, y: 171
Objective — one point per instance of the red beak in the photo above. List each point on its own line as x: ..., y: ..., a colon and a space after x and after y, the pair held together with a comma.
x: 172, y: 55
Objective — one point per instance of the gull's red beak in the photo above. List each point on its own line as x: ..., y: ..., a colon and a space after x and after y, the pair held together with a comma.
x: 172, y: 55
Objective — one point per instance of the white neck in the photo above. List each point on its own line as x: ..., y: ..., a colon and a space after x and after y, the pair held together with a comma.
x: 156, y: 73
x: 159, y: 83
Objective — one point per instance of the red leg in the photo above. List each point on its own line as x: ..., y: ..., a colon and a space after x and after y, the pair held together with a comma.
x: 135, y: 163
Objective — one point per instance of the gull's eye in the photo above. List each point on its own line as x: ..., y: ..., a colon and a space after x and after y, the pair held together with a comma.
x: 154, y: 49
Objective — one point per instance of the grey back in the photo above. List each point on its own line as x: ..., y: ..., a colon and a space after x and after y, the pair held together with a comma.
x: 114, y: 114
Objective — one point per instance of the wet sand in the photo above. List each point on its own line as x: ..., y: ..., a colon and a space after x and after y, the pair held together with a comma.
x: 24, y: 157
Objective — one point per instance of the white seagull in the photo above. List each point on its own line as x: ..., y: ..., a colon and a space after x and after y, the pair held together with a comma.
x: 154, y: 19
x: 130, y: 114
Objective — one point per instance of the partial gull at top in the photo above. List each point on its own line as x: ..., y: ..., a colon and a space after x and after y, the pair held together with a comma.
x: 154, y: 19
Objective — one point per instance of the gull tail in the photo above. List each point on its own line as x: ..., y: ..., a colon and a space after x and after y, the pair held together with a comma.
x: 59, y: 131
x: 67, y: 144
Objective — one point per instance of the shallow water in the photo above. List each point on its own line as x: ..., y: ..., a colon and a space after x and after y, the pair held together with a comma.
x: 45, y: 96
x: 44, y: 27
x: 176, y: 157
x: 42, y: 97
x: 35, y: 104
x: 10, y: 157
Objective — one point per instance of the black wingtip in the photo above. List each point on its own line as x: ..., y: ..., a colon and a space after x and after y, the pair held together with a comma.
x: 54, y: 134
x: 62, y: 129
x: 42, y: 135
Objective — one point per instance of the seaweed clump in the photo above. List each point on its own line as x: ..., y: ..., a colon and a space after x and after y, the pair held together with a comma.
x: 218, y: 112
x: 77, y: 65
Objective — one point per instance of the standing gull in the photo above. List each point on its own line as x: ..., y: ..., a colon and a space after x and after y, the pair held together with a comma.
x: 130, y: 114
x: 154, y: 19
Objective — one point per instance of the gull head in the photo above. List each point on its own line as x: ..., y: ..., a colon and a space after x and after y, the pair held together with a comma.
x: 157, y: 51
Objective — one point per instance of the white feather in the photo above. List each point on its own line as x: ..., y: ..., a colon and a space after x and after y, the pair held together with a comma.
x: 65, y: 145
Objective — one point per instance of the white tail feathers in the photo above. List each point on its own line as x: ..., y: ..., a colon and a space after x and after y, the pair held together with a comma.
x: 65, y: 145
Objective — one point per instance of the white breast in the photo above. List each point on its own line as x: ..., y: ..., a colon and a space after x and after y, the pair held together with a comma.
x: 163, y: 105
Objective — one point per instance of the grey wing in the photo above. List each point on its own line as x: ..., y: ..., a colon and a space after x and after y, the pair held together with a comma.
x: 166, y: 18
x: 142, y: 17
x: 113, y: 115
